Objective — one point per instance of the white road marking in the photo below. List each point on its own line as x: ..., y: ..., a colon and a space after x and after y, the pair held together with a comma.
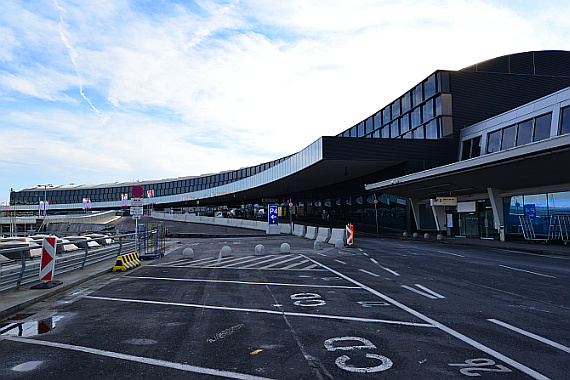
x: 340, y: 261
x: 370, y: 273
x: 238, y: 264
x: 531, y: 335
x: 322, y: 254
x: 262, y: 311
x: 310, y: 267
x: 139, y: 359
x: 419, y: 292
x: 429, y: 291
x: 241, y: 282
x: 450, y: 253
x: 386, y: 269
x: 260, y: 261
x: 286, y: 260
x: 293, y: 265
x: 365, y: 254
x: 527, y: 271
x: 442, y: 327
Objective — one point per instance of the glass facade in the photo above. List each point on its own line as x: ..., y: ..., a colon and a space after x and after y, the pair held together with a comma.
x: 525, y: 132
x: 539, y: 207
x: 419, y: 109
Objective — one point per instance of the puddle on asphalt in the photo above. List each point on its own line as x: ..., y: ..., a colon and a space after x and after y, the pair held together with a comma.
x: 30, y: 328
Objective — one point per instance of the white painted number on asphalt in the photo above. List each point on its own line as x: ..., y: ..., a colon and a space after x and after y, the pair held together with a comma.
x: 474, y: 365
x: 308, y: 299
x: 361, y: 343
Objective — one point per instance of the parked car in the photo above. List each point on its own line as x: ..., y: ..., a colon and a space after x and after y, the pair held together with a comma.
x: 261, y: 214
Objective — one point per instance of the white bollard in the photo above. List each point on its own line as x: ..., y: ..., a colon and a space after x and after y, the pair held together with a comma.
x: 439, y: 236
x: 415, y: 235
x: 318, y: 244
x: 426, y: 236
x: 339, y: 243
x: 226, y: 251
x: 188, y: 253
x: 259, y: 250
x: 285, y: 248
x: 405, y: 234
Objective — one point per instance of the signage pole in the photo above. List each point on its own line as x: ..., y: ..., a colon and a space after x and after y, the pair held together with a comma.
x: 137, y: 236
x: 376, y: 212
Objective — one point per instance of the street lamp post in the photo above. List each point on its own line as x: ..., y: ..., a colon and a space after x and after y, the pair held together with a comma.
x: 45, y: 198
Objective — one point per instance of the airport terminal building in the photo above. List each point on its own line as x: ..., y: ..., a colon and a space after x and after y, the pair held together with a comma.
x: 462, y: 152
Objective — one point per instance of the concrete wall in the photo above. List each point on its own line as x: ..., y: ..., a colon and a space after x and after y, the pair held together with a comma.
x: 324, y: 234
x: 337, y: 234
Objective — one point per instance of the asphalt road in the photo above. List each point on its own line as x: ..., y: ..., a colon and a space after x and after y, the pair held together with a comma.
x: 381, y: 309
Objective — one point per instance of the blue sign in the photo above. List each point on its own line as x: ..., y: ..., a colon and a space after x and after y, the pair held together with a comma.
x: 273, y: 214
x: 530, y: 210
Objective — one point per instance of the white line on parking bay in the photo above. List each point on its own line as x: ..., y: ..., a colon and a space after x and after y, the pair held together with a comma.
x: 240, y: 282
x: 262, y: 311
x: 139, y: 359
x: 521, y: 367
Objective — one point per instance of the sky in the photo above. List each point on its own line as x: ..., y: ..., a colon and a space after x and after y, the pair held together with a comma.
x: 110, y: 91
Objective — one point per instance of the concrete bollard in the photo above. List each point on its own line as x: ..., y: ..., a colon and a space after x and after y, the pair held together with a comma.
x: 439, y: 237
x: 415, y: 235
x: 188, y: 253
x: 259, y: 250
x: 318, y: 244
x: 405, y: 234
x: 226, y: 251
x: 426, y: 236
x: 285, y: 248
x: 339, y: 243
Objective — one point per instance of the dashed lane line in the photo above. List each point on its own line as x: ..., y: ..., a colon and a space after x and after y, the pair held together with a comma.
x: 527, y: 271
x: 521, y: 367
x: 370, y: 273
x: 139, y: 359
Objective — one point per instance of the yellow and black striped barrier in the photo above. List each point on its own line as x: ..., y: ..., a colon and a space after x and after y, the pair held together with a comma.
x: 126, y: 262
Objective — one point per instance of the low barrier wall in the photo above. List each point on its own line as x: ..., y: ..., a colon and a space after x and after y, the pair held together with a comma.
x: 323, y: 234
x: 311, y: 233
x: 100, y: 217
x: 337, y: 234
x: 299, y: 230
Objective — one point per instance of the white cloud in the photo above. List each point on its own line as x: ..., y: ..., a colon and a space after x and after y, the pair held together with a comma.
x: 189, y: 91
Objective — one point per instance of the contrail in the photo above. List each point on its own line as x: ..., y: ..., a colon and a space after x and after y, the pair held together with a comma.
x: 73, y: 56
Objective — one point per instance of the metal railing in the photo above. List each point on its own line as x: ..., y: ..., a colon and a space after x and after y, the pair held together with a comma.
x: 10, y: 278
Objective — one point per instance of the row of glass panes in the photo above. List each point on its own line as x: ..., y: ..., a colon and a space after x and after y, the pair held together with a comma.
x: 161, y: 189
x: 399, y: 126
x: 525, y: 132
x: 403, y: 106
x: 430, y: 130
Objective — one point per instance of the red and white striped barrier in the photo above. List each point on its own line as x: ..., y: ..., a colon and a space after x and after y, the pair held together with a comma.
x: 349, y: 234
x: 48, y: 259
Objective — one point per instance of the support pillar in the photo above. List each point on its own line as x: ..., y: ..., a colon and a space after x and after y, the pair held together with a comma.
x: 498, y: 212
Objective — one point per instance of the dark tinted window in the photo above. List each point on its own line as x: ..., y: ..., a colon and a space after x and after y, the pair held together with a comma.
x: 509, y: 136
x: 525, y: 133
x: 494, y: 141
x: 542, y: 127
x: 565, y: 122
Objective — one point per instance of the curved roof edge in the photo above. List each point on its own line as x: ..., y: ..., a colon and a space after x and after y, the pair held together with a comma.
x: 540, y: 62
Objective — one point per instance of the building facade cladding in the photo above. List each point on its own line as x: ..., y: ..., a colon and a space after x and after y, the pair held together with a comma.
x: 447, y: 101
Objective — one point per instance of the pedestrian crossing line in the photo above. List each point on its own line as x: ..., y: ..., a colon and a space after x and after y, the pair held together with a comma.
x: 232, y: 263
x: 283, y: 262
x: 295, y: 264
x: 263, y: 262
